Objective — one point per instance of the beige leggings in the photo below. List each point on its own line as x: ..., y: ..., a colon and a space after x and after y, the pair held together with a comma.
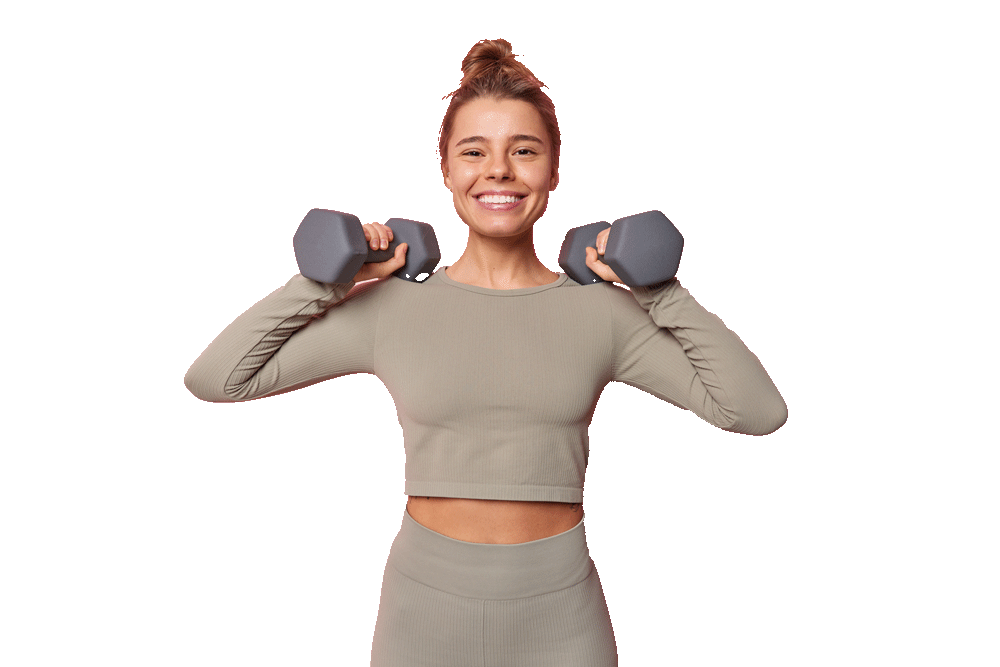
x: 448, y: 603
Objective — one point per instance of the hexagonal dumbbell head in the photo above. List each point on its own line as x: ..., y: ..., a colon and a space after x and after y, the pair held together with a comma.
x: 329, y: 246
x: 422, y: 251
x: 573, y: 254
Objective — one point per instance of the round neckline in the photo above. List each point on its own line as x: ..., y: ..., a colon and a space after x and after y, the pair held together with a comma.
x: 520, y: 291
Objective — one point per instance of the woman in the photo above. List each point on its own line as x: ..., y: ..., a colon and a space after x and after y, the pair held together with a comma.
x: 495, y: 364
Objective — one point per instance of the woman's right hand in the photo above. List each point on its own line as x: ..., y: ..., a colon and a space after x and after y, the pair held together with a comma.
x: 378, y: 237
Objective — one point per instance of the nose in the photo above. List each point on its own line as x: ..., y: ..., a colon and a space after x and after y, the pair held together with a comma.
x: 499, y: 168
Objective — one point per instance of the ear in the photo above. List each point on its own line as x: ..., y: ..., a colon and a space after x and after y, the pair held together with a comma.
x: 554, y: 180
x: 447, y: 179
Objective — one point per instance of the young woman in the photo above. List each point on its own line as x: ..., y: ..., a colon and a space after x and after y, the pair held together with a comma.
x: 495, y: 364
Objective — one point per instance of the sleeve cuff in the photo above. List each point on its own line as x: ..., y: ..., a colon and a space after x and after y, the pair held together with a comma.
x: 651, y: 294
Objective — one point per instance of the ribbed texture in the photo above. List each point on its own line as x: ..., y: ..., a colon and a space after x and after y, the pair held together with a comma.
x: 494, y: 389
x: 560, y: 619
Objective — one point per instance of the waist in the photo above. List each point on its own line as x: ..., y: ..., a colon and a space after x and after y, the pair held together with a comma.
x: 493, y: 521
x: 491, y: 571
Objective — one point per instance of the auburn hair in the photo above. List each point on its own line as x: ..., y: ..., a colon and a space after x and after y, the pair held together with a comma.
x: 491, y: 70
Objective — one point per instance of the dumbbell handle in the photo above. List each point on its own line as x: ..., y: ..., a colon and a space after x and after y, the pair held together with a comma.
x: 375, y: 256
x: 422, y: 252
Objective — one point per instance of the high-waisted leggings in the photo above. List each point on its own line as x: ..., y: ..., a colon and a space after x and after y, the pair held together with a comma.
x: 449, y: 603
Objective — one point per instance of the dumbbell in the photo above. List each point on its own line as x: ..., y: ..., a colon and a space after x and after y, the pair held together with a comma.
x: 643, y: 249
x: 330, y: 247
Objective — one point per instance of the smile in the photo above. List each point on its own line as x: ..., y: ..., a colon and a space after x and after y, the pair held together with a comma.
x: 500, y: 201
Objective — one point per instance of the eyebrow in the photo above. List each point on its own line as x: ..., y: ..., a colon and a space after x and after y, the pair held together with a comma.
x: 514, y: 139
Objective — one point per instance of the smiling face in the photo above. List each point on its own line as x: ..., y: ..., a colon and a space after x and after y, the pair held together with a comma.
x: 499, y: 166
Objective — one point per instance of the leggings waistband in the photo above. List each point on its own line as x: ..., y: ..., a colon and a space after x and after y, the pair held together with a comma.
x: 490, y: 571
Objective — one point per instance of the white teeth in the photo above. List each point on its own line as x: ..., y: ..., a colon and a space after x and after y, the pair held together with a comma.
x: 498, y: 199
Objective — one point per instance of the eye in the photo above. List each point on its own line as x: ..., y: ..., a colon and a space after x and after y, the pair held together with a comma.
x: 524, y: 151
x: 473, y: 153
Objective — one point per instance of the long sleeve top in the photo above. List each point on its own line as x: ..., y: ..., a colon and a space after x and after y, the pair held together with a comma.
x: 494, y: 389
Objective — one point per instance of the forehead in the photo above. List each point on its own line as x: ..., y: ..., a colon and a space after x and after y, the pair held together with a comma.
x: 497, y: 120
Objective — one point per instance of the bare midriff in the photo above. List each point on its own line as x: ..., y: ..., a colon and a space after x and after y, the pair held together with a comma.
x: 493, y: 521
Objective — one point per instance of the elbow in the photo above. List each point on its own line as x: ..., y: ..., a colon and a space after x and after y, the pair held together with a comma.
x: 769, y: 416
x: 762, y: 418
x: 203, y: 389
x: 192, y: 384
x: 212, y: 397
x: 776, y: 417
x: 195, y: 388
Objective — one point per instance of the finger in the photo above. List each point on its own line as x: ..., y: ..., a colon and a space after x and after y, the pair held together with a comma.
x: 602, y: 240
x: 594, y: 262
x: 603, y: 271
x: 374, y: 235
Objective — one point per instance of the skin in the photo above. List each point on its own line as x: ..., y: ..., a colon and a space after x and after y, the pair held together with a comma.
x: 495, y: 146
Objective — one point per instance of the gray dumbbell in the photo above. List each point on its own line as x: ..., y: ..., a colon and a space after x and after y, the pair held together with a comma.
x: 643, y: 249
x: 330, y: 247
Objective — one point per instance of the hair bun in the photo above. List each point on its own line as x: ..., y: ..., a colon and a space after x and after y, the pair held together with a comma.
x: 493, y: 60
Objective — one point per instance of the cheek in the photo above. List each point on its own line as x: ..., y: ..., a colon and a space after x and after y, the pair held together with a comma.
x: 541, y: 179
x: 465, y: 179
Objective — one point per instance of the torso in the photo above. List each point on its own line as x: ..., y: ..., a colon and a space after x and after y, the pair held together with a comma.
x: 493, y: 521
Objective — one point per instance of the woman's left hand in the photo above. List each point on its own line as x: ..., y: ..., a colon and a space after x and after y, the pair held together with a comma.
x: 594, y: 262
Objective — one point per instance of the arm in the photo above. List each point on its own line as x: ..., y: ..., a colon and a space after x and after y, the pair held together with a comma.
x: 701, y: 366
x: 289, y: 340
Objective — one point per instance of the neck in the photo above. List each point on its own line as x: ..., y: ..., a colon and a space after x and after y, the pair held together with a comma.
x: 500, y: 263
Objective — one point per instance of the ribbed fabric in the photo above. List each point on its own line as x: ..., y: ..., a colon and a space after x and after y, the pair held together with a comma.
x: 494, y: 389
x: 535, y: 604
